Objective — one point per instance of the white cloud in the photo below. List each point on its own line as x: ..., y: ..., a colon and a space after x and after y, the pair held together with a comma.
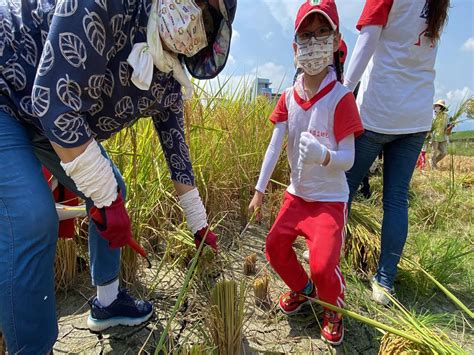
x: 468, y: 46
x: 279, y: 75
x: 268, y: 35
x: 284, y: 12
x: 235, y: 35
x: 454, y: 97
x: 230, y: 60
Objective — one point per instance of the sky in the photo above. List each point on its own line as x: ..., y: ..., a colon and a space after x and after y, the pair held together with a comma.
x: 263, y: 34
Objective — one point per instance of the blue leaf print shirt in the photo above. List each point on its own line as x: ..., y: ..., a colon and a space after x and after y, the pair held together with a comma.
x: 63, y: 68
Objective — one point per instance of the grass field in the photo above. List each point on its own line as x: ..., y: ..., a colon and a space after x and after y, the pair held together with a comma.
x: 208, y: 305
x: 459, y: 145
x: 461, y: 148
x: 462, y: 135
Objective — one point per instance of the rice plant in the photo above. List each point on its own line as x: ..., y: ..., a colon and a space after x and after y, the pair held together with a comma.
x: 442, y: 259
x: 65, y: 268
x: 226, y: 317
x: 260, y: 289
x: 362, y: 246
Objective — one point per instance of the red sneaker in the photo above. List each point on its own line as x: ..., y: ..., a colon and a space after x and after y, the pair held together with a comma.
x: 333, y: 328
x: 291, y: 302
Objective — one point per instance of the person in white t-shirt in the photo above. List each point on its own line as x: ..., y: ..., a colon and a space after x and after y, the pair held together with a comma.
x: 395, y: 55
x: 320, y: 118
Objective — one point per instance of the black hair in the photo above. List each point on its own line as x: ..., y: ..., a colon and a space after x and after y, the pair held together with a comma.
x: 298, y: 72
x: 338, y: 66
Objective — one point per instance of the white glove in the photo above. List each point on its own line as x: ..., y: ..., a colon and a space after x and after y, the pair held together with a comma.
x: 311, y: 151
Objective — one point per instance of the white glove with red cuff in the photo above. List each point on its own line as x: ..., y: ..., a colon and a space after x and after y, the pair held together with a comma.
x: 311, y: 151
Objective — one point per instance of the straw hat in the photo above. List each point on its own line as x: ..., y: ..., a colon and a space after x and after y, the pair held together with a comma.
x: 440, y: 103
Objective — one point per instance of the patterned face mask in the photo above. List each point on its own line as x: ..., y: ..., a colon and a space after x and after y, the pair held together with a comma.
x: 181, y: 26
x: 315, y: 55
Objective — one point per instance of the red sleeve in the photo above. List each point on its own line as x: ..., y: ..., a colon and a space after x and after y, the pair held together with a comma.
x: 375, y: 13
x: 347, y: 119
x: 280, y: 113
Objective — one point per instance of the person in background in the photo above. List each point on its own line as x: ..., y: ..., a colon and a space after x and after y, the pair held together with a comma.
x: 439, y: 133
x: 320, y: 118
x: 394, y: 55
x: 72, y: 74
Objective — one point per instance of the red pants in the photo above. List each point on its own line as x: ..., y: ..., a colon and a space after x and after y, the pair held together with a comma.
x: 421, y: 162
x: 322, y: 224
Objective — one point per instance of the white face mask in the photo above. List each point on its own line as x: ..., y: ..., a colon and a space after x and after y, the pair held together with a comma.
x: 181, y: 26
x: 315, y: 55
x: 437, y: 109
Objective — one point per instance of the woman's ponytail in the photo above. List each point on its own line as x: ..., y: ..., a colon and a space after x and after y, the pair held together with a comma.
x: 437, y: 17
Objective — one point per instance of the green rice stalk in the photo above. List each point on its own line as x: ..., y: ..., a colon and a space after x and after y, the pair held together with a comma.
x: 419, y: 334
x: 437, y: 341
x: 371, y: 322
x: 184, y: 289
x: 452, y: 297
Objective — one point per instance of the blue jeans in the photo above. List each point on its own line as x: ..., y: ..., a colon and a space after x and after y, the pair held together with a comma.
x: 400, y: 153
x: 28, y: 235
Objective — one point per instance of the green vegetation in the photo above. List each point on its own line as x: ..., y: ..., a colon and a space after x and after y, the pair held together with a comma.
x: 462, y: 135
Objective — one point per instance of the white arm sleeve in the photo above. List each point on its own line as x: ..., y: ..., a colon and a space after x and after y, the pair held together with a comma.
x: 364, y: 50
x: 343, y: 157
x: 271, y: 156
x: 93, y: 175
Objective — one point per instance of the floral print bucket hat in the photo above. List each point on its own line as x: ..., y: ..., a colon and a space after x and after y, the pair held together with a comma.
x: 211, y: 60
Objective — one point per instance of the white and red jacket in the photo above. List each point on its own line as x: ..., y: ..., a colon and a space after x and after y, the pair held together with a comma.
x: 397, y: 87
x: 331, y: 115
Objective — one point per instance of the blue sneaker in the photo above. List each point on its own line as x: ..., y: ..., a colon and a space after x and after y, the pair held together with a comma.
x: 125, y: 310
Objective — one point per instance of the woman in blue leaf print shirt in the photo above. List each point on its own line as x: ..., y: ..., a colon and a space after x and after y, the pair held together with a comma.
x: 73, y: 73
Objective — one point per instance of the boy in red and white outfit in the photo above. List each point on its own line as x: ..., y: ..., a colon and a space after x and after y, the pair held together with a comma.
x: 320, y: 117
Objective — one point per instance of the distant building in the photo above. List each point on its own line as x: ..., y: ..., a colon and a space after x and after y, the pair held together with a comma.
x: 263, y: 87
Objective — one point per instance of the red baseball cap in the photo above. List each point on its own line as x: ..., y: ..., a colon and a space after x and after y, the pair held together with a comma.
x: 327, y: 8
x: 342, y: 51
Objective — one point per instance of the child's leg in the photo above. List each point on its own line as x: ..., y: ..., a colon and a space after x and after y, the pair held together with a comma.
x: 325, y: 234
x: 279, y: 245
